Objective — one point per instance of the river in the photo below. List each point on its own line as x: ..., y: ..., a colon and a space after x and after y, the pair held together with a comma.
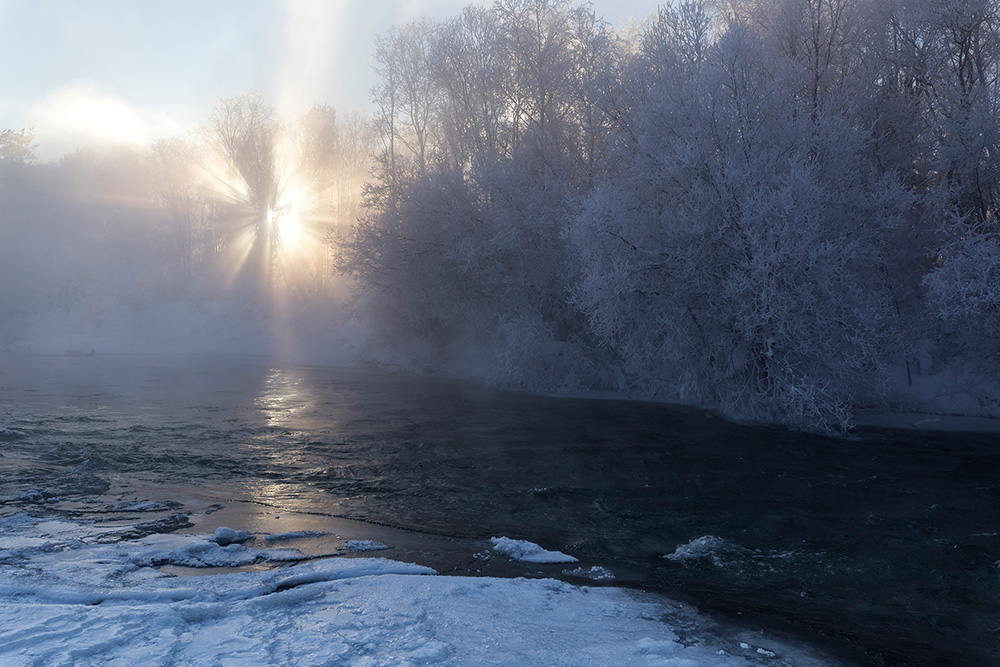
x: 884, y: 545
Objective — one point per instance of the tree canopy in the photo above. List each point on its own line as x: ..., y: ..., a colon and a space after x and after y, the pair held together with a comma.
x: 766, y: 207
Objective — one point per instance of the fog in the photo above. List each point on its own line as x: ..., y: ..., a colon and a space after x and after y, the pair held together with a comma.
x: 106, y: 247
x: 782, y: 210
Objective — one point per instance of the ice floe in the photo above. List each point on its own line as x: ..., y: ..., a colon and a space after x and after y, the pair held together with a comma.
x: 528, y: 551
x: 225, y: 536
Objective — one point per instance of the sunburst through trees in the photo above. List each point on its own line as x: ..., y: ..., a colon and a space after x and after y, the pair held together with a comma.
x: 276, y: 191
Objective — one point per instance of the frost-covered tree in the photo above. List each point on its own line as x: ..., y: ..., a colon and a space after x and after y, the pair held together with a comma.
x: 242, y: 130
x: 406, y: 97
x: 466, y: 247
x: 17, y: 147
x: 737, y: 261
x: 332, y: 161
x: 763, y: 206
x: 963, y: 292
x: 472, y: 67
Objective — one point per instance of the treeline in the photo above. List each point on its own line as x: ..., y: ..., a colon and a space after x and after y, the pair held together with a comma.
x: 785, y: 209
x: 763, y: 206
x: 239, y: 209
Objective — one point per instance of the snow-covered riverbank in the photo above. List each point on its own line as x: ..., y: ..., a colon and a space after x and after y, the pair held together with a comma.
x: 77, y: 593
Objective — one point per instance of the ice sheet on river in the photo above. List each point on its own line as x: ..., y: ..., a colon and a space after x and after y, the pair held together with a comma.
x: 66, y: 597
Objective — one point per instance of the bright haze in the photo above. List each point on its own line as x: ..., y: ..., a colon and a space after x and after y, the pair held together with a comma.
x: 115, y: 71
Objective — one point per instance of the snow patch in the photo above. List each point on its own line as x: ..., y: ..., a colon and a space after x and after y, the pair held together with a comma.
x: 365, y: 545
x: 146, y: 506
x: 528, y: 551
x: 225, y: 536
x: 77, y: 600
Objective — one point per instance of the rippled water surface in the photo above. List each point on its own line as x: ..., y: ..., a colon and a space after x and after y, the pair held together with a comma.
x: 887, y: 541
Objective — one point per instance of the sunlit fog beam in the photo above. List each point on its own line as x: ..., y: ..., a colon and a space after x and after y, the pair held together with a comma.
x: 239, y: 251
x: 312, y: 31
x: 223, y: 180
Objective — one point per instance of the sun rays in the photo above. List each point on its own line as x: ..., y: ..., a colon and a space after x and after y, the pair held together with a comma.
x: 274, y: 210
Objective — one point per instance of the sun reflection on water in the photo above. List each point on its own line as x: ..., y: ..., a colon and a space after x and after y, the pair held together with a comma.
x: 282, y: 398
x: 285, y: 403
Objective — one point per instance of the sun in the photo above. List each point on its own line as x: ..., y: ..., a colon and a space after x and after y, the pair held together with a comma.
x: 280, y: 215
x: 286, y: 224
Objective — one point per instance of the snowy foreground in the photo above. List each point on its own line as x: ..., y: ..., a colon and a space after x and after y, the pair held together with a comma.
x: 78, y: 593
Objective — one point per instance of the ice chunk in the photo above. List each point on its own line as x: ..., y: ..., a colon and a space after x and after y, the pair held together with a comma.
x: 165, y: 524
x: 595, y: 572
x: 365, y: 545
x: 528, y: 551
x: 146, y: 506
x: 225, y: 536
x: 209, y: 554
x: 707, y: 546
x: 36, y: 496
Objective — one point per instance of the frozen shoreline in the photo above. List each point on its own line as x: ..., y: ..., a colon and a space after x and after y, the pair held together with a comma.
x: 70, y: 593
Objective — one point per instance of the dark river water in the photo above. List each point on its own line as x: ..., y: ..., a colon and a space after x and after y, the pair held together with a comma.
x: 886, y: 544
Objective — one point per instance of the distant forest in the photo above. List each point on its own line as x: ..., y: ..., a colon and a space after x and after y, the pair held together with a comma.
x: 784, y: 209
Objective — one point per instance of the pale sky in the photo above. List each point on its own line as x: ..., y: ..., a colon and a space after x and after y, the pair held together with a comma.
x: 79, y: 71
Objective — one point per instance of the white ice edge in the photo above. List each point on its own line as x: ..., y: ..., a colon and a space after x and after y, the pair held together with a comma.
x: 74, y: 601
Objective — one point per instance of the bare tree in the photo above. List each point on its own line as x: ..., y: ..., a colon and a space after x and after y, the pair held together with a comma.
x: 179, y: 190
x: 242, y: 130
x: 407, y: 96
x: 473, y: 69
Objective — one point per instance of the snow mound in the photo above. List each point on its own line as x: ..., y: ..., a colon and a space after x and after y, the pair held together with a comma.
x: 225, y: 536
x: 211, y: 554
x: 365, y: 545
x: 146, y: 506
x: 528, y: 551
